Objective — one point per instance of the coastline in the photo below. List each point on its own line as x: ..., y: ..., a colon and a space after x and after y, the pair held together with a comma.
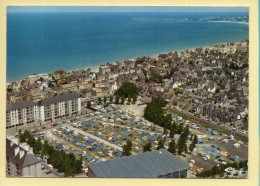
x: 94, y: 68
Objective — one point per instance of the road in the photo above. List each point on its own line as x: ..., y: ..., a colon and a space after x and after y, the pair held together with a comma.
x: 210, y: 123
x: 94, y: 137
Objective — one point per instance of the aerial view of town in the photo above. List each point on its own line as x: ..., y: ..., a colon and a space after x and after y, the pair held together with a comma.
x: 182, y: 113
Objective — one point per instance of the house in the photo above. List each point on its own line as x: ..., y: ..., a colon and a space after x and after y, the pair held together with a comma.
x: 20, y: 160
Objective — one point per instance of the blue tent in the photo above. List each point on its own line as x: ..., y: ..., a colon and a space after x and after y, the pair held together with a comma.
x: 214, y: 132
x: 114, y: 140
x: 207, y: 146
x: 118, y: 154
x: 201, y: 141
x: 84, y: 128
x: 214, y: 155
x: 122, y: 143
x: 54, y: 124
x: 75, y: 151
x: 222, y: 159
x: 99, y: 153
x: 66, y: 132
x: 234, y: 158
x: 125, y: 133
x: 103, y: 146
x: 88, y: 125
x: 97, y: 144
x: 59, y: 146
x: 114, y: 150
x: 15, y: 134
x: 67, y: 138
x: 35, y: 135
x: 96, y: 127
x: 115, y: 135
x: 92, y: 148
x: 82, y: 145
x: 145, y: 132
x: 211, y: 138
x: 209, y: 129
x: 151, y: 140
x: 89, y: 158
x: 144, y: 138
x: 90, y: 141
x: 77, y: 137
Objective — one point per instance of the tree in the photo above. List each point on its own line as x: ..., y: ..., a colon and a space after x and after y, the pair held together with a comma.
x: 172, y: 147
x: 147, y: 147
x: 123, y: 99
x: 172, y: 132
x: 127, y: 148
x: 105, y: 100
x: 160, y: 144
x: 127, y: 89
x: 129, y: 99
x: 88, y: 104
x: 179, y: 128
x: 117, y: 99
x: 111, y: 99
x: 165, y: 132
x: 99, y: 100
x: 134, y: 98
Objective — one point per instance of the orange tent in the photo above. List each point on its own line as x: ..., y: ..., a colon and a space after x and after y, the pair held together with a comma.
x: 111, y: 134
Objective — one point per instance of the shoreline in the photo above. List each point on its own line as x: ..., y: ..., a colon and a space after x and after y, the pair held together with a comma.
x: 152, y: 56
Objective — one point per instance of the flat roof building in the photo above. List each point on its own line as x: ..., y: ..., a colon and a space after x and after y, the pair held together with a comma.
x: 155, y: 164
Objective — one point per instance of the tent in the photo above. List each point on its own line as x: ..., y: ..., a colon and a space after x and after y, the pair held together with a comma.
x: 214, y: 132
x: 90, y: 141
x: 58, y: 146
x: 89, y: 158
x: 82, y: 145
x: 114, y: 140
x: 92, y: 148
x: 103, y: 146
x: 75, y: 151
x: 201, y: 141
x: 77, y: 137
x: 97, y: 144
x: 234, y: 158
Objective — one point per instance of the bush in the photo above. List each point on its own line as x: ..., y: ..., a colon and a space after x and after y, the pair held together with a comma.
x: 228, y: 173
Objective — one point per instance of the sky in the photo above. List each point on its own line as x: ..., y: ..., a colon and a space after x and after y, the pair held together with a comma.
x: 21, y: 9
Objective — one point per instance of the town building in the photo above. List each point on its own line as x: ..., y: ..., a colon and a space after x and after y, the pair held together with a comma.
x: 155, y: 164
x: 20, y: 161
x: 24, y: 113
x: 60, y: 106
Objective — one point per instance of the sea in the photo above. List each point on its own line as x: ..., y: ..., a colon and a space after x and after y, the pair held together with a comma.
x: 44, y: 42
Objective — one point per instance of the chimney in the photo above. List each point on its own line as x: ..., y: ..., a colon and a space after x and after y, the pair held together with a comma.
x: 21, y: 154
x: 16, y: 150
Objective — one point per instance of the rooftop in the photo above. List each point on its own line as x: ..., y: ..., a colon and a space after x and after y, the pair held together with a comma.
x: 143, y: 165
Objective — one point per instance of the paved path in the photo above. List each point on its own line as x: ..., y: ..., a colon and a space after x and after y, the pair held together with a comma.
x: 94, y: 137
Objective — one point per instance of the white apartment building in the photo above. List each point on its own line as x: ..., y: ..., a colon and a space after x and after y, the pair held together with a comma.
x: 49, y: 109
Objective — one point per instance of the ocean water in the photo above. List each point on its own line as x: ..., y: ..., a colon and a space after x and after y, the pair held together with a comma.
x: 44, y: 42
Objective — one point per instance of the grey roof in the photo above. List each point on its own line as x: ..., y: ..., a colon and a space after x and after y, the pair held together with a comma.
x: 143, y: 165
x: 60, y: 98
x: 20, y: 105
x: 26, y: 160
